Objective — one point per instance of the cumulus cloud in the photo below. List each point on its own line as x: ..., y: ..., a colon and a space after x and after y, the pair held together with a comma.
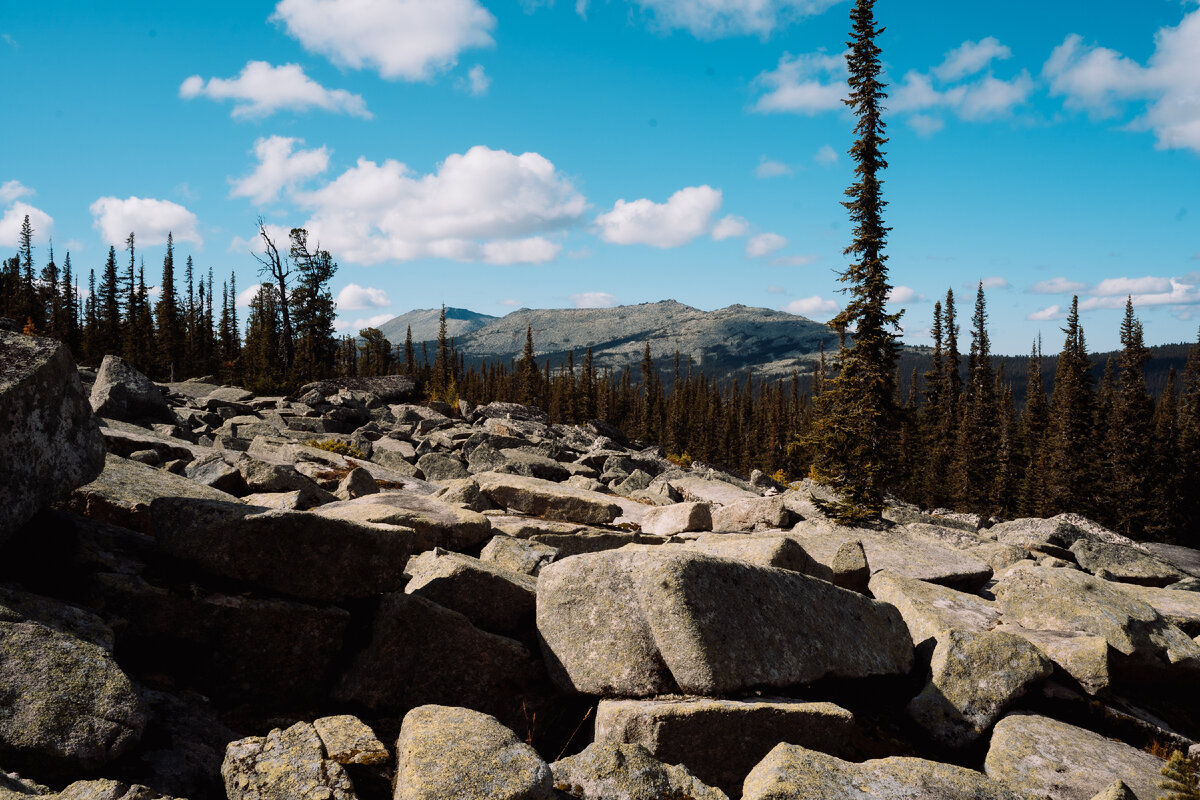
x: 771, y: 169
x: 14, y: 218
x: 993, y: 282
x: 809, y: 83
x: 246, y: 296
x: 280, y: 165
x: 987, y: 97
x: 904, y: 294
x: 1058, y: 285
x: 593, y: 300
x: 11, y: 190
x: 826, y: 155
x: 151, y: 220
x: 1099, y: 80
x: 1125, y: 286
x: 814, y: 306
x: 1143, y: 292
x: 728, y: 227
x: 353, y: 297
x: 708, y: 19
x: 401, y: 39
x: 1047, y: 313
x: 764, y: 244
x: 482, y: 205
x: 261, y: 89
x: 971, y: 57
x: 685, y: 216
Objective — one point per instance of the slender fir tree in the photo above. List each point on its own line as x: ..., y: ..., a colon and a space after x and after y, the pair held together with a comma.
x: 170, y: 326
x: 1070, y: 484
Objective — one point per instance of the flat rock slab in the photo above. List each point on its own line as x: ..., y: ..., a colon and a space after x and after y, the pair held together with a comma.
x: 284, y: 765
x: 493, y: 598
x: 714, y: 492
x: 1182, y: 558
x: 518, y: 555
x: 123, y: 492
x: 1042, y: 757
x: 609, y: 771
x: 660, y: 620
x: 790, y: 772
x: 1083, y: 656
x: 547, y: 499
x: 433, y: 522
x: 753, y: 514
x: 930, y: 610
x: 766, y: 550
x: 447, y: 752
x: 1145, y: 643
x: 677, y: 518
x: 293, y: 552
x: 49, y: 440
x: 593, y: 541
x: 720, y: 741
x: 899, y: 551
x: 1124, y: 563
x: 1180, y: 608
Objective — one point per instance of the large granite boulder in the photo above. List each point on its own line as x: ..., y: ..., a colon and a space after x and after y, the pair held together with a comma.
x: 609, y: 771
x: 547, y: 499
x: 1084, y: 657
x: 284, y: 765
x: 434, y: 523
x: 677, y: 518
x: 658, y: 620
x: 1180, y: 607
x: 930, y: 609
x: 976, y: 676
x: 752, y: 514
x: 790, y: 772
x: 721, y: 740
x: 766, y: 550
x: 49, y: 440
x: 121, y: 392
x: 447, y: 752
x: 66, y: 708
x: 293, y: 552
x: 517, y: 555
x: 495, y: 599
x: 1042, y: 757
x: 1124, y: 563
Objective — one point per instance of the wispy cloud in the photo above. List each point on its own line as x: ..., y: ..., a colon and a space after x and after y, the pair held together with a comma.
x: 593, y: 300
x: 261, y: 89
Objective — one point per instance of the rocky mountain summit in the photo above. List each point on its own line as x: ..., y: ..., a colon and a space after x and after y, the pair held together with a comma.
x: 718, y: 343
x: 349, y: 594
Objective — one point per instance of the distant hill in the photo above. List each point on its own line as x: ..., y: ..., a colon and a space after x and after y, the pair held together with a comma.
x: 424, y: 322
x: 718, y: 343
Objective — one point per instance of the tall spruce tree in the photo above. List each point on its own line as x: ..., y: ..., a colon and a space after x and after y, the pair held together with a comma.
x: 858, y: 422
x: 108, y: 310
x: 1034, y: 421
x: 1189, y: 442
x: 1070, y: 454
x: 529, y: 379
x: 170, y: 327
x: 979, y: 430
x: 1130, y: 425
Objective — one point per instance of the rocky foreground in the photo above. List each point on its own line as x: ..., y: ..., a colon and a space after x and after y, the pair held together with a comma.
x: 196, y: 601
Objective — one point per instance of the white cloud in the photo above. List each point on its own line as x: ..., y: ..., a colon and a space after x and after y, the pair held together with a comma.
x: 408, y: 39
x: 478, y: 80
x: 771, y: 169
x: 353, y: 297
x: 1098, y: 79
x: 728, y: 227
x: 254, y: 243
x: 814, y: 306
x: 261, y: 89
x: 593, y: 300
x: 805, y: 84
x: 482, y: 205
x: 904, y: 294
x: 279, y: 166
x: 826, y: 155
x: 14, y: 217
x: 764, y: 244
x: 371, y: 322
x: 776, y: 290
x: 971, y: 57
x: 709, y: 19
x: 11, y: 190
x: 1057, y: 286
x: 795, y: 261
x: 246, y: 296
x: 1047, y: 313
x: 925, y: 125
x: 686, y: 215
x: 1126, y: 286
x: 509, y: 303
x: 995, y: 282
x: 151, y: 220
x: 985, y: 98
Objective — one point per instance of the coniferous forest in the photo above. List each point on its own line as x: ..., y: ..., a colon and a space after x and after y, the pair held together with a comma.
x: 966, y: 440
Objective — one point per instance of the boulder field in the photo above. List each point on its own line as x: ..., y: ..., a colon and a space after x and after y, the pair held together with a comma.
x: 345, y: 594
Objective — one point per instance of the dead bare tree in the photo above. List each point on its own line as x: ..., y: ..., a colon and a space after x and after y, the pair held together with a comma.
x: 278, y: 267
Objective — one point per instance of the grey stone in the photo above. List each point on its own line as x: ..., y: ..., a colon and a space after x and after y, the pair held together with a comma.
x: 20, y: 606
x: 1179, y: 607
x: 215, y: 472
x: 752, y: 514
x: 635, y: 481
x: 1123, y: 563
x: 348, y: 740
x: 284, y: 765
x: 930, y: 610
x: 447, y: 752
x: 678, y: 518
x: 441, y: 467
x: 721, y: 740
x: 766, y: 550
x: 609, y: 771
x: 518, y: 555
x: 701, y: 490
x: 122, y: 392
x: 547, y: 499
x: 495, y: 599
x: 850, y: 569
x: 1082, y: 656
x: 434, y: 523
x: 49, y: 440
x: 358, y: 483
x: 263, y: 476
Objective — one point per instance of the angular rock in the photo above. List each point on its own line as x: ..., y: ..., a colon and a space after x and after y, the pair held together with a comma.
x: 120, y: 391
x: 850, y: 569
x: 1117, y: 790
x: 1066, y: 600
x: 791, y: 772
x: 1042, y: 757
x: 422, y: 653
x: 677, y: 518
x: 1083, y: 656
x: 284, y: 765
x: 976, y: 676
x: 358, y: 483
x: 592, y: 541
x: 715, y: 492
x: 721, y: 740
x: 293, y: 552
x: 757, y: 514
x: 103, y: 789
x: 49, y: 440
x: 287, y: 501
x: 1179, y: 607
x: 447, y: 752
x: 651, y: 621
x: 125, y: 439
x: 636, y: 481
x: 1184, y: 559
x: 1124, y: 564
x: 263, y: 476
x: 495, y: 599
x: 608, y: 771
x: 441, y: 467
x: 762, y: 549
x: 547, y: 499
x: 518, y: 555
x: 434, y: 523
x: 215, y: 472
x: 123, y: 492
x: 65, y: 706
x: 394, y: 454
x: 19, y: 606
x: 930, y: 610
x: 348, y: 740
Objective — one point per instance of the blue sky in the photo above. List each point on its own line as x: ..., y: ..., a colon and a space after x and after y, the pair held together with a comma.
x: 492, y: 154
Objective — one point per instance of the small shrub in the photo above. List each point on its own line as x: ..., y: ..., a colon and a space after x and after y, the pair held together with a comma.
x: 1180, y: 779
x: 683, y: 461
x: 337, y: 446
x: 780, y: 476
